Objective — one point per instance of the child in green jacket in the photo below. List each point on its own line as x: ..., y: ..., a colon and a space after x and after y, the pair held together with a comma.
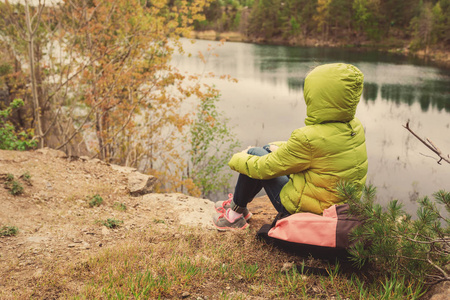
x: 300, y: 175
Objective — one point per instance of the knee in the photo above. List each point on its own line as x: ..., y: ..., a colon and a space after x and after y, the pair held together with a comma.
x: 258, y: 151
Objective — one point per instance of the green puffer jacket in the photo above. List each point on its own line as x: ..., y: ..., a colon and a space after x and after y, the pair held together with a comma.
x: 330, y: 148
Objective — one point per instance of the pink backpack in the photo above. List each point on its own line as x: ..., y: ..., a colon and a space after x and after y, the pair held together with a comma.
x: 324, y: 236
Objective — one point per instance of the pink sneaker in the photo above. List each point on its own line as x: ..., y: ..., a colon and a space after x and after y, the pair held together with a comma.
x: 222, y: 206
x: 223, y: 222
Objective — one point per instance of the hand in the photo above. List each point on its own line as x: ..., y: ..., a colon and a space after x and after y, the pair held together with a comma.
x: 272, y: 147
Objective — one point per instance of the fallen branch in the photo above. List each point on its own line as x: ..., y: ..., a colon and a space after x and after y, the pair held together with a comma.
x: 430, y: 145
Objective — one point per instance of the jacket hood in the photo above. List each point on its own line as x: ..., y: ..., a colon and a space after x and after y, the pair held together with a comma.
x: 332, y: 92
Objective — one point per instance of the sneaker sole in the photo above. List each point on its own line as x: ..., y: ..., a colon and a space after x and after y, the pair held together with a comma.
x: 230, y: 228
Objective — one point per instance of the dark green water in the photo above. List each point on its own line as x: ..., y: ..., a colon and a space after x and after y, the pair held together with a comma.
x: 267, y: 104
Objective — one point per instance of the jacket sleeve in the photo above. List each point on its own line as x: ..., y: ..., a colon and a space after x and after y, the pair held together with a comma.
x: 291, y: 157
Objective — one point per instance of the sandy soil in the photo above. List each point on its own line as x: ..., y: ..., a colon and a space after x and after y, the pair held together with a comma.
x: 57, y: 225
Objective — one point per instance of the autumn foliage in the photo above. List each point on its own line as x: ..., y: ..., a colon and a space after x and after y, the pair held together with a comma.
x: 104, y: 79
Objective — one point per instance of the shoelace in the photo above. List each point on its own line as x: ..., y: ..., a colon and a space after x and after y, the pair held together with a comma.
x: 226, y: 202
x: 230, y: 198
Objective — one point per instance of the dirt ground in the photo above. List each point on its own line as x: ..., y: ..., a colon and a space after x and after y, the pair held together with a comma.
x: 57, y: 225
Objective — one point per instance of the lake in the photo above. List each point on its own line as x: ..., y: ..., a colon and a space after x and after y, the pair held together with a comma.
x: 267, y: 104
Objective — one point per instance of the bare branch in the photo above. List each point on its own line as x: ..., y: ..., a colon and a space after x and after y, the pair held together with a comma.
x: 430, y: 145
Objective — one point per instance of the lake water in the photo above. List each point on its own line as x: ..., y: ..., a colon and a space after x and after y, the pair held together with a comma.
x: 267, y: 104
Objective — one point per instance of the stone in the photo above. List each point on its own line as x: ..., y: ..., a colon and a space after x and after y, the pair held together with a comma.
x: 48, y: 185
x: 122, y: 169
x: 441, y: 291
x: 140, y: 184
x: 185, y: 295
x: 98, y: 161
x: 287, y: 267
x: 52, y: 152
x: 38, y: 273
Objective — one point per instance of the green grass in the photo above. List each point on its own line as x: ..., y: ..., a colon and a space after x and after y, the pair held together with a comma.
x: 26, y: 177
x: 164, y: 263
x: 8, y: 230
x: 112, y: 223
x: 15, y: 187
x: 95, y: 200
x: 120, y: 206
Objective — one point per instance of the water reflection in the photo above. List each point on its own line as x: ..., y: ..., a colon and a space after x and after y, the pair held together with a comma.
x: 295, y: 84
x: 396, y: 78
x: 370, y: 91
x: 430, y: 94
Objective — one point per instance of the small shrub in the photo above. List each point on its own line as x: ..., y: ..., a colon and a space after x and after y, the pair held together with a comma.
x: 212, y: 143
x: 10, y: 138
x: 96, y: 200
x: 120, y: 206
x: 14, y: 187
x: 112, y: 223
x: 26, y: 177
x: 8, y: 230
x: 9, y: 177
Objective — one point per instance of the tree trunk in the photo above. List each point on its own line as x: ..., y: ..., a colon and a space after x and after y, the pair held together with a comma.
x: 37, y: 108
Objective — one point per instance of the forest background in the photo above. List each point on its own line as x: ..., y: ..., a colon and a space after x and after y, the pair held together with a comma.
x: 95, y: 78
x: 412, y: 26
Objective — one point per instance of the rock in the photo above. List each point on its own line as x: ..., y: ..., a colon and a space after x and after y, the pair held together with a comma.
x: 122, y: 169
x: 441, y: 291
x: 52, y: 152
x: 287, y: 267
x: 140, y: 184
x: 86, y: 246
x: 185, y: 295
x: 48, y: 185
x: 178, y: 208
x: 71, y: 245
x: 36, y: 239
x: 38, y: 273
x: 98, y: 161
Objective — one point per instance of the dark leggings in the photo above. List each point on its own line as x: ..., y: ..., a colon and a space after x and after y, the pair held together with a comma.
x: 247, y: 188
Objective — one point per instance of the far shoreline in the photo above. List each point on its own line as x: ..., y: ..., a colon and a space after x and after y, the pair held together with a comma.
x: 436, y: 56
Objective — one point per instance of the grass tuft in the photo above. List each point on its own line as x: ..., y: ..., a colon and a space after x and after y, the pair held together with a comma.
x: 95, y: 200
x: 8, y: 230
x: 26, y: 177
x: 112, y: 223
x: 14, y: 187
x: 120, y: 206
